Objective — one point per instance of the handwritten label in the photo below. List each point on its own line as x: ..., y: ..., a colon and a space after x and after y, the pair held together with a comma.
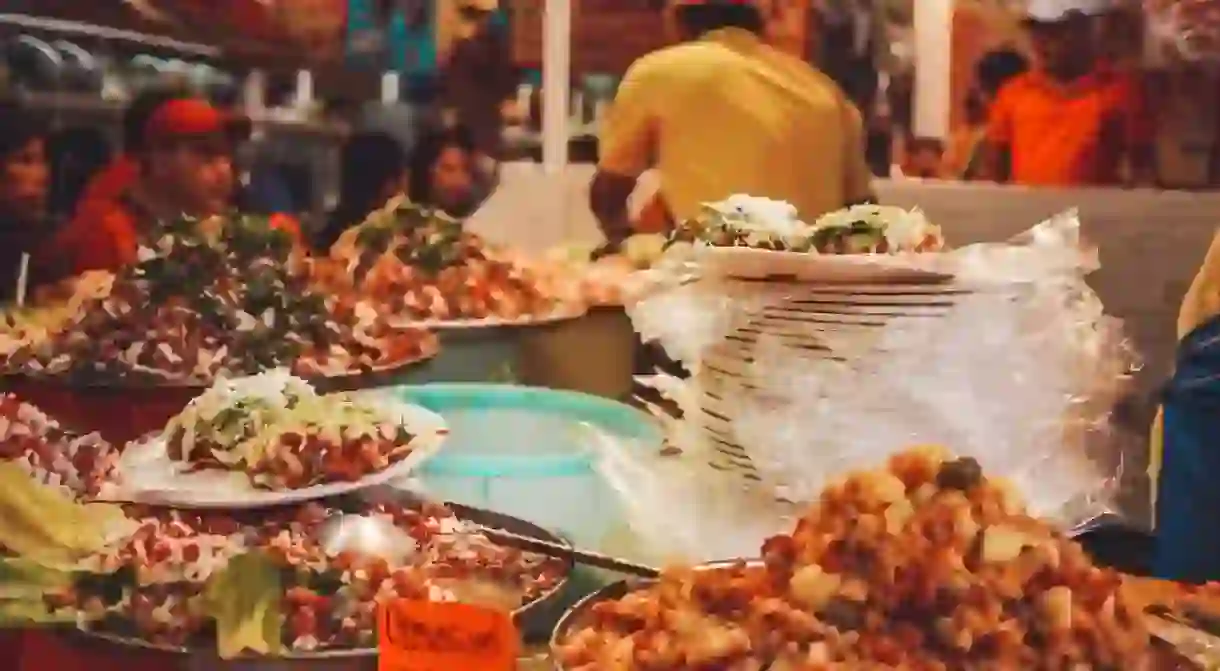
x: 431, y: 636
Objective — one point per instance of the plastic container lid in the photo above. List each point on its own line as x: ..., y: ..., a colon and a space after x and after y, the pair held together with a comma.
x: 508, y: 431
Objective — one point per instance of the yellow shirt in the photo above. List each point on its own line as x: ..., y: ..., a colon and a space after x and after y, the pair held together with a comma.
x: 1201, y: 303
x: 728, y: 114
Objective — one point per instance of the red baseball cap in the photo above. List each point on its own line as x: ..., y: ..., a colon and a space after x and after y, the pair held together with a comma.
x: 193, y: 119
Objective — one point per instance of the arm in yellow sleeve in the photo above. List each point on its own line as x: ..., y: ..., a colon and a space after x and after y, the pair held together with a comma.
x: 858, y: 177
x: 628, y: 135
x: 1202, y: 299
x: 1201, y: 303
x: 626, y: 147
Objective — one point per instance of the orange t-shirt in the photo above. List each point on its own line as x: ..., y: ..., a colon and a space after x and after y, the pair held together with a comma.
x: 1069, y: 134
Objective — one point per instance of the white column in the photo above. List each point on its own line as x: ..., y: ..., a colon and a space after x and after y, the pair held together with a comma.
x: 933, y: 28
x: 254, y: 100
x: 303, y: 98
x: 390, y: 88
x: 556, y: 76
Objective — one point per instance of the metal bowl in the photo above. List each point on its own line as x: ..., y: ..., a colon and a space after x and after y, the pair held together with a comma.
x: 576, y: 615
x: 1165, y: 657
x: 529, y: 617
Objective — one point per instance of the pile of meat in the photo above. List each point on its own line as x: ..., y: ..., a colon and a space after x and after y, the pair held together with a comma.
x: 923, y: 565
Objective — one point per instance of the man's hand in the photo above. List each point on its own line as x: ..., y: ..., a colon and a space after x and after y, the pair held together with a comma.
x: 996, y: 162
x: 608, y: 196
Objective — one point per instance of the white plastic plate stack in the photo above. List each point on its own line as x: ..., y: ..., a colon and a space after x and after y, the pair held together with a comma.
x: 810, y: 323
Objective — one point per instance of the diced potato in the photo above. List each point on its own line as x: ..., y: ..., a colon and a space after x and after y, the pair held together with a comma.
x: 1003, y: 544
x: 812, y: 587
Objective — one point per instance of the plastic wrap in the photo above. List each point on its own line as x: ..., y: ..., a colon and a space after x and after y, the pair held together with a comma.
x: 1012, y: 362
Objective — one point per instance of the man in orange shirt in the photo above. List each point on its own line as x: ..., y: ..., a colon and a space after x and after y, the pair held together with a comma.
x: 1073, y: 120
x: 178, y: 160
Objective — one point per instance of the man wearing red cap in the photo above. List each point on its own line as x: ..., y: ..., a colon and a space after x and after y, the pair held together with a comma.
x: 723, y: 113
x: 178, y: 160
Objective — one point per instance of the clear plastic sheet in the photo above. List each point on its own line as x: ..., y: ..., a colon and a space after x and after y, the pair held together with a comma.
x: 1015, y: 364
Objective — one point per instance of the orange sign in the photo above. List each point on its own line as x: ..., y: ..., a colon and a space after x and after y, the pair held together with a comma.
x: 432, y: 636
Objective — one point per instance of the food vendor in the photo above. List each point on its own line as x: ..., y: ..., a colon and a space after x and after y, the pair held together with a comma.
x: 372, y: 170
x: 177, y: 160
x: 1074, y: 119
x: 23, y: 193
x: 794, y: 136
x: 1183, y: 460
x: 444, y: 172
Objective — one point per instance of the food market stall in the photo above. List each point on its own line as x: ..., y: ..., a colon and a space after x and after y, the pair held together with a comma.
x: 233, y: 447
x: 256, y: 521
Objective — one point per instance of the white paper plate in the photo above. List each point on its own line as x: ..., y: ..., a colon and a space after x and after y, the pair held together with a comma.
x: 759, y: 264
x: 559, y: 314
x: 151, y: 477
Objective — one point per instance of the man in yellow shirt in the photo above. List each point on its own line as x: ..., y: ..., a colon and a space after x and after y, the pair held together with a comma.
x: 722, y: 113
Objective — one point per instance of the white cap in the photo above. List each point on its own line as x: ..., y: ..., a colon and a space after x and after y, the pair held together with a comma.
x: 1050, y: 11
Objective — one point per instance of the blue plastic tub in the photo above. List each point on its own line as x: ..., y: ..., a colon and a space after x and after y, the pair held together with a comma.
x: 523, y: 451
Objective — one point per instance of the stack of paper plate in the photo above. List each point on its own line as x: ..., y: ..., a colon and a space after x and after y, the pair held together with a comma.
x: 810, y: 324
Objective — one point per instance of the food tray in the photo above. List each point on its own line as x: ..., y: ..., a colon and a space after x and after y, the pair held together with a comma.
x: 531, y: 618
x: 125, y: 412
x: 1165, y: 656
x: 559, y: 313
x: 163, y: 483
x: 575, y: 615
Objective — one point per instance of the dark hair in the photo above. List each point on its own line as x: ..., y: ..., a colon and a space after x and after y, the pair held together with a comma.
x: 18, y: 127
x: 696, y: 20
x: 141, y: 109
x: 369, y: 162
x: 995, y: 68
x: 76, y: 155
x: 428, y: 150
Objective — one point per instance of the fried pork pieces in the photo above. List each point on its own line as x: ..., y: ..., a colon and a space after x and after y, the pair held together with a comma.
x: 923, y: 565
x: 151, y: 586
x: 54, y: 457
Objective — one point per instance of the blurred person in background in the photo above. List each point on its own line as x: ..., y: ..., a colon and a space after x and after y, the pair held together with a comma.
x: 75, y: 155
x: 373, y: 169
x: 994, y: 69
x: 1072, y: 120
x: 964, y: 155
x: 24, y: 227
x: 178, y: 160
x: 922, y: 158
x: 721, y: 114
x: 444, y: 173
x: 479, y: 79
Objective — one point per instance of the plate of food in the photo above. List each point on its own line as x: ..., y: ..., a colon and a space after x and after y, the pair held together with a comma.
x: 214, y: 299
x: 242, y: 588
x: 756, y: 238
x: 423, y: 268
x: 923, y: 564
x: 272, y: 439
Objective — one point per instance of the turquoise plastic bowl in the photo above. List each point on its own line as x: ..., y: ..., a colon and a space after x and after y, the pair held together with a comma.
x: 522, y: 451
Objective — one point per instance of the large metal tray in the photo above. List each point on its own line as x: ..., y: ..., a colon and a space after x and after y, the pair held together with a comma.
x: 531, y: 616
x: 1165, y: 657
